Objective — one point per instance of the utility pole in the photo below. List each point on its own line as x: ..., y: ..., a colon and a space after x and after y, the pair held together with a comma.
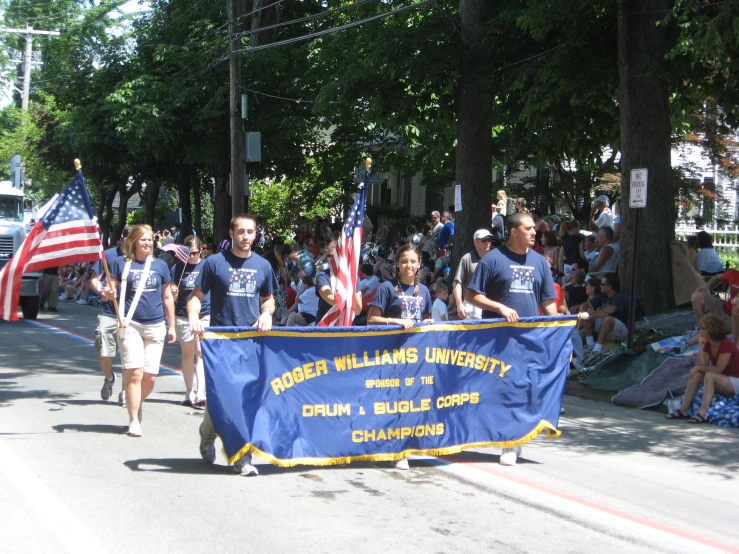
x: 29, y: 32
x: 237, y: 135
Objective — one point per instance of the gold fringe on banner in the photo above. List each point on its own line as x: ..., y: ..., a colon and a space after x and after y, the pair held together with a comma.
x: 551, y: 430
x: 436, y: 328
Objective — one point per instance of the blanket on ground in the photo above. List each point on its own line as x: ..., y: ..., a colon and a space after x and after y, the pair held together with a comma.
x: 670, y: 378
x: 724, y: 410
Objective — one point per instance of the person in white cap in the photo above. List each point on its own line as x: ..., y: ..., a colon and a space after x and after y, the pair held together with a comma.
x: 601, y: 215
x: 458, y: 305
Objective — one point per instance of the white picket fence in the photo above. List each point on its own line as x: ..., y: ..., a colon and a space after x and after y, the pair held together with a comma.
x: 724, y: 237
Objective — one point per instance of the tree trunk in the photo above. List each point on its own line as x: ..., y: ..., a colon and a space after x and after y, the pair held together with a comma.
x: 221, y: 208
x: 184, y: 186
x: 474, y: 155
x: 645, y: 143
x: 150, y: 200
x: 123, y: 195
x: 197, y: 218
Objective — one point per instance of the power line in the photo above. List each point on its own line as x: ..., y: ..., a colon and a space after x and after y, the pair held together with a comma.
x: 215, y: 63
x: 248, y: 14
x: 334, y: 29
x: 302, y: 19
x: 296, y: 100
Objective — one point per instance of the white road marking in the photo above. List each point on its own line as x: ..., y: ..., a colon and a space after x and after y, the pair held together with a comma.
x: 54, y: 513
x: 662, y: 536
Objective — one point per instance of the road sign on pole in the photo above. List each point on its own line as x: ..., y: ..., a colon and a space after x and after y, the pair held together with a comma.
x: 638, y: 193
x: 637, y: 199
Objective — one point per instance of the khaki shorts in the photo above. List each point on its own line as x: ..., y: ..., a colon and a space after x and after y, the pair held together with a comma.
x: 182, y: 328
x: 619, y: 334
x: 143, y: 346
x: 105, y: 333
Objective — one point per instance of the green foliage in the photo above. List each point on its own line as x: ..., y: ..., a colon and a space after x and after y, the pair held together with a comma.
x: 281, y: 205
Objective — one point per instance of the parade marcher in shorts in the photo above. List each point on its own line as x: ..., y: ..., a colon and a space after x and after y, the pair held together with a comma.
x: 145, y: 300
x: 512, y: 282
x: 405, y: 302
x: 50, y: 288
x: 183, y: 283
x: 105, y: 334
x: 241, y: 284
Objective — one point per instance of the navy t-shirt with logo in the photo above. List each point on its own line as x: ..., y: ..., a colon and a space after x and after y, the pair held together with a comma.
x: 149, y: 310
x: 106, y: 307
x: 405, y: 305
x: 186, y: 285
x: 519, y: 281
x: 236, y: 285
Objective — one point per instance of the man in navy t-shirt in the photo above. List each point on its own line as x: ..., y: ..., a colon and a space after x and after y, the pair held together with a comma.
x: 105, y: 334
x: 240, y: 283
x: 513, y: 281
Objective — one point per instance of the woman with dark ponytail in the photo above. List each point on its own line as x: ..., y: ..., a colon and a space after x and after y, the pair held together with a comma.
x: 405, y: 301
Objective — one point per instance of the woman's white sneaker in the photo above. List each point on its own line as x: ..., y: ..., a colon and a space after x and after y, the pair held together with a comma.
x: 509, y: 456
x: 134, y: 429
x: 402, y: 464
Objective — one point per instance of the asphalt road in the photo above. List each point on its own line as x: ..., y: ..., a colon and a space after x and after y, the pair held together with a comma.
x: 71, y: 480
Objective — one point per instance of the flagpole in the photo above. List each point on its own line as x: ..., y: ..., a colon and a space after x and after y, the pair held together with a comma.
x: 78, y: 167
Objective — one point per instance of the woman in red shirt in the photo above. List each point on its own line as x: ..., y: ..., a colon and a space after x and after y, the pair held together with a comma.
x: 717, y: 368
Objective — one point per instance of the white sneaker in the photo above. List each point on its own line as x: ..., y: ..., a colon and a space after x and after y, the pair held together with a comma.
x: 199, y: 401
x: 134, y: 429
x: 122, y: 398
x: 244, y: 467
x: 402, y: 464
x: 189, y: 399
x: 509, y: 456
x: 208, y: 452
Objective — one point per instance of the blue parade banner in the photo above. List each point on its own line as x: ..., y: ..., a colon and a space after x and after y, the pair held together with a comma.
x: 333, y: 395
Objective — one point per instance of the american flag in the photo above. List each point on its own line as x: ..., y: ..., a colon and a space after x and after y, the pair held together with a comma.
x: 178, y: 250
x: 345, y: 264
x: 66, y: 234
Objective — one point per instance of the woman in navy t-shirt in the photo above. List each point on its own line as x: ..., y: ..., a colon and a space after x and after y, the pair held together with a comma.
x: 141, y: 341
x: 406, y: 301
x: 183, y: 282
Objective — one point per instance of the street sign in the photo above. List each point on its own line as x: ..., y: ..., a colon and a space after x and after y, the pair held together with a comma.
x: 458, y: 198
x: 253, y: 150
x: 16, y: 171
x: 638, y: 193
x: 375, y: 176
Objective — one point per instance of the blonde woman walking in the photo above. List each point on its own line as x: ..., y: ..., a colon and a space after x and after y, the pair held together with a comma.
x: 141, y: 284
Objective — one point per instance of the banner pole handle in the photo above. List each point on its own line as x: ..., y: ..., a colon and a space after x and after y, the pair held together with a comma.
x: 115, y: 301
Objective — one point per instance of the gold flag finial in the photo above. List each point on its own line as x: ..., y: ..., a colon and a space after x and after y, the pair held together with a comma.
x: 77, y: 164
x: 368, y: 164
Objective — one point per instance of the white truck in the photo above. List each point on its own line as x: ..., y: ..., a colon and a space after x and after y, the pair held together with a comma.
x: 14, y: 218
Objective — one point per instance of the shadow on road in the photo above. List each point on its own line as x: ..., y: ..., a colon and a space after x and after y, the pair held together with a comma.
x: 91, y: 428
x: 64, y: 403
x: 8, y: 395
x: 702, y: 445
x: 471, y: 457
x: 192, y: 466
